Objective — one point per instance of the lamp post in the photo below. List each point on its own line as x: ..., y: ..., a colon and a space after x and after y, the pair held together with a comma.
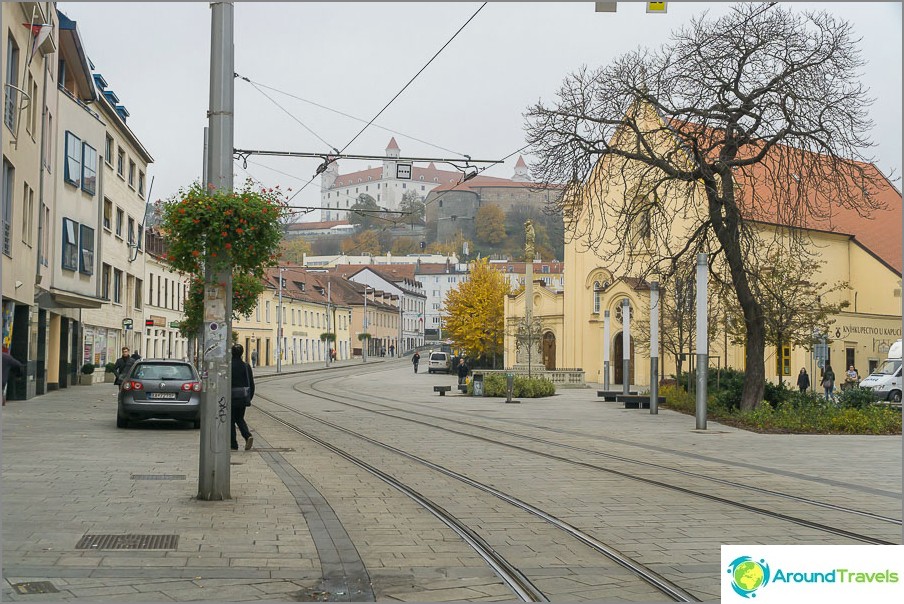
x: 364, y: 340
x: 279, y: 324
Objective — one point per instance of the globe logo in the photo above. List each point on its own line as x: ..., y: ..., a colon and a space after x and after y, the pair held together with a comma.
x: 748, y: 575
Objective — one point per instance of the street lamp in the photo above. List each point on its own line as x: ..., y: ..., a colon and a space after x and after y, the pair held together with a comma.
x: 364, y: 340
x: 279, y: 325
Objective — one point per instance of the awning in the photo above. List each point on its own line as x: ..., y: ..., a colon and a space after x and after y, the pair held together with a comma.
x: 57, y: 298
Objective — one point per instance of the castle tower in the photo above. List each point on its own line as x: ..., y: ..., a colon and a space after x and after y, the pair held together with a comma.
x: 389, y: 165
x: 522, y: 174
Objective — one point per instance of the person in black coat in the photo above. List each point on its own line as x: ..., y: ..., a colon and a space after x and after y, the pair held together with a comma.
x: 803, y: 380
x: 242, y: 377
x: 463, y: 371
x: 122, y: 364
x: 415, y: 360
x: 10, y: 364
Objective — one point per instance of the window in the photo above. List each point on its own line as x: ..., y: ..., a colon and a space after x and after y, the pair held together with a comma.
x: 120, y: 162
x: 108, y: 214
x: 131, y: 174
x: 9, y: 174
x: 138, y: 285
x: 105, y: 271
x: 120, y: 217
x: 117, y: 286
x: 131, y: 231
x: 86, y: 249
x: 596, y: 297
x: 10, y: 107
x: 141, y: 183
x: 108, y: 150
x: 30, y: 122
x: 73, y: 169
x: 70, y: 245
x: 618, y: 312
x: 28, y: 212
x: 89, y: 169
x: 267, y: 311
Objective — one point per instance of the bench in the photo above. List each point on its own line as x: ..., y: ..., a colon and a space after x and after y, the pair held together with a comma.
x: 638, y: 402
x: 442, y: 389
x: 610, y: 395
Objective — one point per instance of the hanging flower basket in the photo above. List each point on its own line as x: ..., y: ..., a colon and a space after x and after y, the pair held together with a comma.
x: 364, y: 336
x: 227, y: 229
x: 328, y: 336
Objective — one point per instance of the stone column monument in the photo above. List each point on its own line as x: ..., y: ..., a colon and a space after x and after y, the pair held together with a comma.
x: 529, y: 334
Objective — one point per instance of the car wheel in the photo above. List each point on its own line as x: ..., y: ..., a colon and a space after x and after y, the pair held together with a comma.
x: 895, y: 396
x: 121, y: 422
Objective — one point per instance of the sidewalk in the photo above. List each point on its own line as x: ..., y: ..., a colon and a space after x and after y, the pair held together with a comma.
x: 68, y: 472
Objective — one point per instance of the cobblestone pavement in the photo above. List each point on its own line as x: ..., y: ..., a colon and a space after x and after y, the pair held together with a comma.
x: 303, y: 526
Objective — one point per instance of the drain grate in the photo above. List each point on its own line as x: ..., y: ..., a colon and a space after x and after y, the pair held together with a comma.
x: 128, y: 542
x: 36, y: 587
x: 158, y: 476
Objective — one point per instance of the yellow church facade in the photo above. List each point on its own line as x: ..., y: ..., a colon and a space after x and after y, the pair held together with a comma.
x: 863, y: 252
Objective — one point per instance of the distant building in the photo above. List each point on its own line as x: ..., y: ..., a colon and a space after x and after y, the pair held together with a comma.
x: 438, y: 279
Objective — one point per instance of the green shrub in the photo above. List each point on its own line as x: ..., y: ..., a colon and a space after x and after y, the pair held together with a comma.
x: 856, y: 397
x: 109, y: 368
x: 494, y: 384
x: 88, y: 368
x: 678, y: 398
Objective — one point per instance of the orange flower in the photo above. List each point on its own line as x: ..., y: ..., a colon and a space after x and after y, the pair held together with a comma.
x: 240, y: 230
x: 228, y: 246
x: 223, y: 234
x: 196, y: 253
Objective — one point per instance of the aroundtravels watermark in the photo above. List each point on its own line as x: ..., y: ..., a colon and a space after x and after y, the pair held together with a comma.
x: 789, y: 573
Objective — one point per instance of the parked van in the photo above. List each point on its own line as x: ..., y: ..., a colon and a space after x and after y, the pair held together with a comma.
x: 886, y: 379
x: 439, y: 361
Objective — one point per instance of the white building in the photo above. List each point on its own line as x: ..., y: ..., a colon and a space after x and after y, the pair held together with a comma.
x: 437, y: 280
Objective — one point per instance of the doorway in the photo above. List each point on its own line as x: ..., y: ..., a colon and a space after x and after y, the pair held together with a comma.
x: 549, y: 351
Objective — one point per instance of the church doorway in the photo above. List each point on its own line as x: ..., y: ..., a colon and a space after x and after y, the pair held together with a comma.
x: 549, y: 350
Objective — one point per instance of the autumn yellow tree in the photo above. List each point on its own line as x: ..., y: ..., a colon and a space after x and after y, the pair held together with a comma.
x: 292, y: 250
x: 475, y: 320
x: 365, y: 242
x: 490, y: 225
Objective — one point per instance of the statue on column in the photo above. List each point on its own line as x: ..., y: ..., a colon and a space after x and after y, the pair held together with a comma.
x: 528, y: 241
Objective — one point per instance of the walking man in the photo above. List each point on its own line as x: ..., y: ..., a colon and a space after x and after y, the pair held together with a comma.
x: 121, y: 366
x: 242, y: 393
x: 415, y: 359
x: 463, y: 371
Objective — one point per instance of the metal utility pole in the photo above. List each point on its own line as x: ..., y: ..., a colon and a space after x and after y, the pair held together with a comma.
x: 626, y: 345
x: 702, y: 341
x: 329, y: 348
x: 365, y: 340
x: 654, y: 348
x: 606, y: 350
x: 216, y: 397
x: 279, y: 325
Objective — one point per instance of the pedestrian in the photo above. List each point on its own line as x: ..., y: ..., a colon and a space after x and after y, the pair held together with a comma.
x: 803, y: 380
x: 242, y: 394
x: 392, y: 350
x: 828, y: 381
x: 851, y: 377
x: 122, y: 365
x: 415, y: 359
x: 136, y: 356
x: 463, y: 371
x: 10, y: 363
x: 382, y: 351
x: 254, y: 358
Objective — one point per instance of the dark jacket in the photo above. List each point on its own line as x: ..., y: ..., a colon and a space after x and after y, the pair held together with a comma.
x: 416, y: 358
x: 10, y: 363
x: 803, y: 381
x: 463, y: 370
x: 242, y: 376
x: 121, y: 367
x: 828, y: 376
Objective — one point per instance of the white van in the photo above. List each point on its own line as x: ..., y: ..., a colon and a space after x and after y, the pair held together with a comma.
x: 886, y: 379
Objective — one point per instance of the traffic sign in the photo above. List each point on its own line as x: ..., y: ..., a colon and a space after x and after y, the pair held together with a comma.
x: 403, y: 171
x: 127, y: 323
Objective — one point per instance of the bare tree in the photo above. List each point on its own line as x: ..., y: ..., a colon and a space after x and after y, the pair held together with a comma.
x: 756, y: 116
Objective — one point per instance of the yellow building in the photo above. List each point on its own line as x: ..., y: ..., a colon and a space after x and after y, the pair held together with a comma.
x: 864, y: 252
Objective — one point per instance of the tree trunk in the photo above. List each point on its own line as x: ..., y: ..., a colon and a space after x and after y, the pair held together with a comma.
x: 727, y: 227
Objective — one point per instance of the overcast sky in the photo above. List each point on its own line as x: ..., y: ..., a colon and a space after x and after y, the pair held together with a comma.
x: 354, y: 57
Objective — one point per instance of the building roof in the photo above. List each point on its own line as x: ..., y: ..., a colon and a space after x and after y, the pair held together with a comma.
x: 877, y: 230
x: 520, y: 163
x: 392, y: 144
x: 430, y: 174
x: 555, y: 267
x: 438, y: 268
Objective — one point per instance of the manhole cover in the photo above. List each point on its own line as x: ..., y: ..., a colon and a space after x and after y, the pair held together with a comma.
x: 128, y: 542
x: 158, y: 476
x: 36, y: 587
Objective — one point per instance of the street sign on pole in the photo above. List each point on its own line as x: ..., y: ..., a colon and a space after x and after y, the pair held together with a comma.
x: 403, y: 171
x: 127, y: 323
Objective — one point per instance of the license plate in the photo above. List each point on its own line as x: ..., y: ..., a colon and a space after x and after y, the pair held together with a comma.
x: 162, y: 395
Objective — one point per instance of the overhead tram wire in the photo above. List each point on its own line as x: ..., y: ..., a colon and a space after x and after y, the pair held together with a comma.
x: 348, y: 115
x: 287, y: 112
x: 385, y: 107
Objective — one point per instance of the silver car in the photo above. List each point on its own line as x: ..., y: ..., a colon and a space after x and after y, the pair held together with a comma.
x: 159, y: 389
